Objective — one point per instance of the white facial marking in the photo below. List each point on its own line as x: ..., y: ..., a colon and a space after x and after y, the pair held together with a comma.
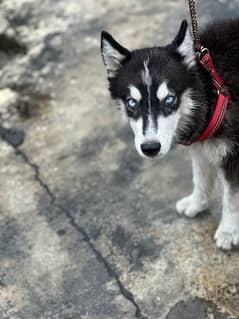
x: 135, y: 93
x: 137, y: 128
x: 164, y: 134
x: 166, y: 126
x: 150, y: 129
x: 146, y: 78
x: 112, y: 58
x: 163, y: 91
x: 166, y: 130
x: 186, y: 49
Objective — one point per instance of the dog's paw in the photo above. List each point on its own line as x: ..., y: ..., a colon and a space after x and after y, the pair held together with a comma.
x: 227, y: 235
x: 190, y: 206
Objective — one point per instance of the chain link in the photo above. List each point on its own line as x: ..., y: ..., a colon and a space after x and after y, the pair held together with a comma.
x: 196, y: 34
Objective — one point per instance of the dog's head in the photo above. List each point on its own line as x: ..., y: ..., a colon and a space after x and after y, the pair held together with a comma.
x: 154, y: 86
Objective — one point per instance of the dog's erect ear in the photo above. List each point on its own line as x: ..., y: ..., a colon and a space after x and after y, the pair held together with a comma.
x: 113, y: 54
x: 184, y: 44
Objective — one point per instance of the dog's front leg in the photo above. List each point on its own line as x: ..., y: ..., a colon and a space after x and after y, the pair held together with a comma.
x: 204, y: 174
x: 227, y: 233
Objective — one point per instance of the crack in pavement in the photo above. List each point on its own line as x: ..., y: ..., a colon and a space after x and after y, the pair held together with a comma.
x: 111, y: 272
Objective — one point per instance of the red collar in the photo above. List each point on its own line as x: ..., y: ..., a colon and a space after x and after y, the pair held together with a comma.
x: 224, y: 97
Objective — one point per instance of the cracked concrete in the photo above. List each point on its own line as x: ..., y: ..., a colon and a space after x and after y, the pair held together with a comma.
x: 87, y: 228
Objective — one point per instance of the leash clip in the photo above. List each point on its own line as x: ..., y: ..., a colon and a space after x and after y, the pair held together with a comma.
x: 201, y: 52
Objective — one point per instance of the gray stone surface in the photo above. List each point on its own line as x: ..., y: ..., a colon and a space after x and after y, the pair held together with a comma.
x: 88, y: 229
x: 194, y: 309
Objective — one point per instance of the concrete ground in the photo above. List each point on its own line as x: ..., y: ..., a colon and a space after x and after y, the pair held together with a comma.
x: 88, y: 229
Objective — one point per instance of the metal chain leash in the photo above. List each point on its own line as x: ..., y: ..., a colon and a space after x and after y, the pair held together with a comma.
x: 196, y: 34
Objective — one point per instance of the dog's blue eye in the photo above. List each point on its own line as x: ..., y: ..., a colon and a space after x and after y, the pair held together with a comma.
x: 131, y: 103
x: 170, y: 100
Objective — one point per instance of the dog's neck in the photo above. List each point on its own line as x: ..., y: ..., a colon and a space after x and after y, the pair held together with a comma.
x: 204, y: 98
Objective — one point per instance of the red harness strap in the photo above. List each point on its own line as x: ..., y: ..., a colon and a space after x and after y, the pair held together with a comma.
x: 224, y: 97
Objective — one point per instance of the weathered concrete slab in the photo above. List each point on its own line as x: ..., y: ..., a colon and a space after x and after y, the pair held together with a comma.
x: 88, y: 229
x: 194, y: 309
x: 48, y: 270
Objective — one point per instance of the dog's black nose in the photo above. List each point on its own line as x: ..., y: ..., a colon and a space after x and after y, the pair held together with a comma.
x: 151, y: 149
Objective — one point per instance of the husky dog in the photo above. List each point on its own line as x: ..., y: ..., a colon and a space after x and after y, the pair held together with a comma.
x: 169, y: 99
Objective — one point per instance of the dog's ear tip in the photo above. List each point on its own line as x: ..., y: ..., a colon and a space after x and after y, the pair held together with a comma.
x: 184, y: 25
x: 105, y: 35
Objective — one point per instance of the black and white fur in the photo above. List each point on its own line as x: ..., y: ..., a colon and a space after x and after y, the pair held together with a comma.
x: 169, y: 99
